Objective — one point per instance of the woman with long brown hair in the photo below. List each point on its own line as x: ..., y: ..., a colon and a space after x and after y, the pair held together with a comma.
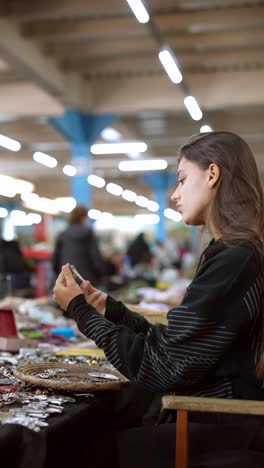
x: 212, y: 345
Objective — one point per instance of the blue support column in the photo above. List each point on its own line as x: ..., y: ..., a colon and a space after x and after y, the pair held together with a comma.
x: 81, y: 130
x: 81, y: 160
x: 161, y: 182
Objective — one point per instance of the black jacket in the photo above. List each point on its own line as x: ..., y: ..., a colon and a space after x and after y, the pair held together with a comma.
x: 211, y: 343
x: 77, y: 245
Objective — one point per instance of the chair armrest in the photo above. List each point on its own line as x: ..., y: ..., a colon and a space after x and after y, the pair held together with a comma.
x: 213, y: 405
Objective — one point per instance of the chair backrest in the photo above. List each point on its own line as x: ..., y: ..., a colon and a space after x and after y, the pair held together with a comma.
x: 183, y: 405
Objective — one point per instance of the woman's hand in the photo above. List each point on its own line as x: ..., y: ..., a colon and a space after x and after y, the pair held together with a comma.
x: 94, y: 296
x: 66, y: 288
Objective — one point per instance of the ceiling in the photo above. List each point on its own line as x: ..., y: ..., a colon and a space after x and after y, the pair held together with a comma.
x: 96, y: 57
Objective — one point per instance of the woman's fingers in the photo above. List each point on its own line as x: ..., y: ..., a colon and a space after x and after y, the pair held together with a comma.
x: 68, y: 274
x: 60, y: 281
x: 88, y: 288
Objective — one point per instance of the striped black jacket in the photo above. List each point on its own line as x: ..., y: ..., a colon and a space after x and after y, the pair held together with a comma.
x: 211, y: 343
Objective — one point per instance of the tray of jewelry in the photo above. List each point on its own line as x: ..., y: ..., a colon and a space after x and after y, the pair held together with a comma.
x: 70, y: 377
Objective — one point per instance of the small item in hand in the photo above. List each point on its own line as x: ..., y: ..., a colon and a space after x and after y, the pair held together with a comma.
x: 77, y: 276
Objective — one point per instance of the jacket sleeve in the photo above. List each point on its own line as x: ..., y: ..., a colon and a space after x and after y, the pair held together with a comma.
x: 198, y: 334
x: 119, y: 314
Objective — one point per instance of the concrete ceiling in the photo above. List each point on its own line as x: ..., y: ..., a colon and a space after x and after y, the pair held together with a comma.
x: 96, y: 57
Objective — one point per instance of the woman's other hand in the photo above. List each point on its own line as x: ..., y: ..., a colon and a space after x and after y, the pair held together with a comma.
x: 66, y: 288
x: 94, y: 297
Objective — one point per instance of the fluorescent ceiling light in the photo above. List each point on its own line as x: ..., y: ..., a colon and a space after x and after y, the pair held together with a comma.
x: 205, y: 128
x: 152, y: 206
x: 106, y: 216
x: 94, y: 214
x: 28, y: 196
x: 147, y: 218
x: 143, y: 165
x: 116, y: 148
x: 3, y: 212
x: 96, y: 181
x: 11, y: 184
x: 9, y: 192
x: 69, y: 170
x: 169, y: 63
x: 139, y: 10
x: 110, y: 134
x: 45, y: 205
x: 23, y: 186
x: 19, y: 218
x: 45, y: 159
x: 9, y: 143
x: 114, y: 189
x: 142, y: 201
x: 66, y: 204
x: 193, y: 108
x: 173, y: 215
x: 128, y: 195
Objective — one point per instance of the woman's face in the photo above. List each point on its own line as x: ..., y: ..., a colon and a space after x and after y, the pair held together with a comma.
x: 194, y: 192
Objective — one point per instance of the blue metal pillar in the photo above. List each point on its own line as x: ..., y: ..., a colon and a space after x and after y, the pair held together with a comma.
x: 161, y: 182
x: 81, y: 130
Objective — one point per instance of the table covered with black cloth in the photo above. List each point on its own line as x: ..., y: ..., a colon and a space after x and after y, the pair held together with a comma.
x: 99, y: 432
x: 69, y: 437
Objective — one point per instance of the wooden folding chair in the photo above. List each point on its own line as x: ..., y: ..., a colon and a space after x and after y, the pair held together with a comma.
x: 182, y: 405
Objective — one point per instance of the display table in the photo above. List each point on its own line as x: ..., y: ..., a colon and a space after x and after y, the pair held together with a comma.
x: 63, y: 443
x: 87, y: 435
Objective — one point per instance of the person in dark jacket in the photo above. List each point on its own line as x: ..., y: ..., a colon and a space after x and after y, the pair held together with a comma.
x: 213, y: 344
x: 77, y: 245
x: 139, y: 250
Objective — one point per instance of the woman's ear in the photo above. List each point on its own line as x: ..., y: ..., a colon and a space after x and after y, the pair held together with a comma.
x: 213, y: 175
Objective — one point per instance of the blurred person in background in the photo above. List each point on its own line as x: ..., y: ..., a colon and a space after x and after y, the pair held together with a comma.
x: 77, y: 245
x: 139, y: 250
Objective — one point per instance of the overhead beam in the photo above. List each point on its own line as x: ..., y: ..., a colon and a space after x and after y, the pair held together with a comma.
x: 178, y: 41
x: 196, y: 21
x: 80, y: 8
x: 28, y: 61
x: 146, y: 63
x: 49, y: 9
x: 26, y: 57
x: 214, y: 90
x: 92, y: 28
x: 204, y: 20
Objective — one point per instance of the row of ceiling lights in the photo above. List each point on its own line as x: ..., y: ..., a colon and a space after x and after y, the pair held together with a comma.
x: 11, y: 186
x: 169, y: 61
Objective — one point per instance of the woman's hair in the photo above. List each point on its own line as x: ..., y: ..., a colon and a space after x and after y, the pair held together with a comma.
x: 237, y: 210
x: 78, y: 214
